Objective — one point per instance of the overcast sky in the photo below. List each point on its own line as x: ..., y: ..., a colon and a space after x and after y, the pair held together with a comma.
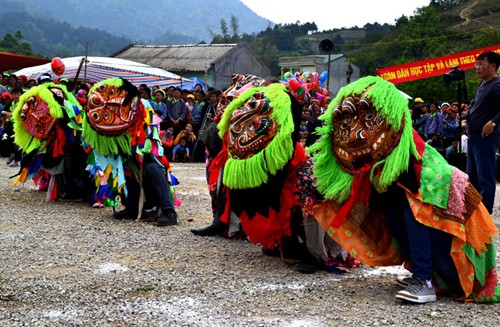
x: 329, y: 14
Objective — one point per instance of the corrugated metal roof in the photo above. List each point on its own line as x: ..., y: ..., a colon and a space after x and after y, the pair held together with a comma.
x: 178, y: 58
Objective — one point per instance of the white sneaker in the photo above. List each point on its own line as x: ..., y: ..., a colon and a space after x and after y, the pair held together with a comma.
x: 418, y: 291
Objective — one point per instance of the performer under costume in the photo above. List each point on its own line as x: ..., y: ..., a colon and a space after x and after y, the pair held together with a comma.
x: 390, y: 198
x: 125, y: 152
x: 213, y: 143
x: 47, y: 125
x: 260, y: 158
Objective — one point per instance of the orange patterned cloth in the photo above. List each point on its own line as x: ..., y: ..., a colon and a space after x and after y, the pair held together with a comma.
x: 364, y: 234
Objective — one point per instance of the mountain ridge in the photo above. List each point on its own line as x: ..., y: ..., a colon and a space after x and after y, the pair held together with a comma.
x: 151, y: 19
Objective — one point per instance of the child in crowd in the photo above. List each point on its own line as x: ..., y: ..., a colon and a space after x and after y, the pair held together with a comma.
x: 189, y: 136
x: 190, y: 102
x: 181, y: 151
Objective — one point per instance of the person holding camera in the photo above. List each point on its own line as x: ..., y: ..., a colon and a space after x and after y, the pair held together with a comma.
x: 483, y: 116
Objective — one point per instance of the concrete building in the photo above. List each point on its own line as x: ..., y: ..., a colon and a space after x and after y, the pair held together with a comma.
x: 211, y: 63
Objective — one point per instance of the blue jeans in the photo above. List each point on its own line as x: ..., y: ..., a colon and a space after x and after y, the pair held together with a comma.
x: 428, y: 248
x: 481, y: 166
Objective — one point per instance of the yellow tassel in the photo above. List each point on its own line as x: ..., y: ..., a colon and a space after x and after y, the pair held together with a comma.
x: 22, y: 177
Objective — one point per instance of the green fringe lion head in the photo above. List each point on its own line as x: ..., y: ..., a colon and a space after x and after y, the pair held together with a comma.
x: 258, y: 128
x: 334, y: 181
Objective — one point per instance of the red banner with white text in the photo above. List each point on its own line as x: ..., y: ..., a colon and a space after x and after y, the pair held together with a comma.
x: 432, y: 67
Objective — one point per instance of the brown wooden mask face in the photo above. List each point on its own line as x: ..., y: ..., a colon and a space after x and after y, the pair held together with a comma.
x: 251, y: 128
x: 36, y: 118
x: 360, y: 134
x: 107, y: 112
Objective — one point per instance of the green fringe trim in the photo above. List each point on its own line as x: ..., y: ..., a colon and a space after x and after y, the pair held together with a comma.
x: 254, y: 171
x: 22, y: 138
x: 106, y: 144
x: 335, y: 183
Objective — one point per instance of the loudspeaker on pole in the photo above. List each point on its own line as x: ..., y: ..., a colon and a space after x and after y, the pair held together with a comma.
x: 326, y: 46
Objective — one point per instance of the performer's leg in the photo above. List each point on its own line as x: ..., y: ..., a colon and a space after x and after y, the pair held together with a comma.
x: 156, y: 185
x: 131, y: 200
x: 419, y: 289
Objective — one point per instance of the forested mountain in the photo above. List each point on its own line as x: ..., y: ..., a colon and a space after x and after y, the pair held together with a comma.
x: 51, y: 38
x: 143, y: 20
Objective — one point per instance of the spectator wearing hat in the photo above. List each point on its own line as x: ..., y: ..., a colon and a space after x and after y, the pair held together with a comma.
x: 21, y: 82
x: 44, y: 78
x: 158, y: 105
x: 189, y: 103
x: 5, y: 101
x: 445, y: 106
x: 81, y: 97
x: 417, y: 109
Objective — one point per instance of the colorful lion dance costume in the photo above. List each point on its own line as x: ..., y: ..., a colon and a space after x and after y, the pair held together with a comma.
x: 381, y: 183
x: 47, y: 126
x: 257, y: 165
x: 121, y: 131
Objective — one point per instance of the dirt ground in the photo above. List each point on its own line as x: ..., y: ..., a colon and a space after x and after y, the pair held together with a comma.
x: 68, y: 264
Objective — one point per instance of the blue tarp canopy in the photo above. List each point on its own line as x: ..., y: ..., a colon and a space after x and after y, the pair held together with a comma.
x: 196, y: 80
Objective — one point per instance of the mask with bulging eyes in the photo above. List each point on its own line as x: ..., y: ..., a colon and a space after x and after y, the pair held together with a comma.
x: 251, y: 128
x: 361, y: 135
x: 36, y: 118
x: 107, y: 112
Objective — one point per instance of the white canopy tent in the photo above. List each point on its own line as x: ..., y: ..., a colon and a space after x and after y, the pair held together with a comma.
x: 96, y: 69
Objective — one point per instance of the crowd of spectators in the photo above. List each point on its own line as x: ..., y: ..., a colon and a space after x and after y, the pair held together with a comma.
x: 439, y: 125
x: 183, y: 114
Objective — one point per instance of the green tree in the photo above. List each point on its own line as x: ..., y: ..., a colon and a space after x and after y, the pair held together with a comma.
x: 235, y: 26
x: 224, y: 31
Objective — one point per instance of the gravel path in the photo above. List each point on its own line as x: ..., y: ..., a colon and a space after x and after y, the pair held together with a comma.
x: 67, y: 264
